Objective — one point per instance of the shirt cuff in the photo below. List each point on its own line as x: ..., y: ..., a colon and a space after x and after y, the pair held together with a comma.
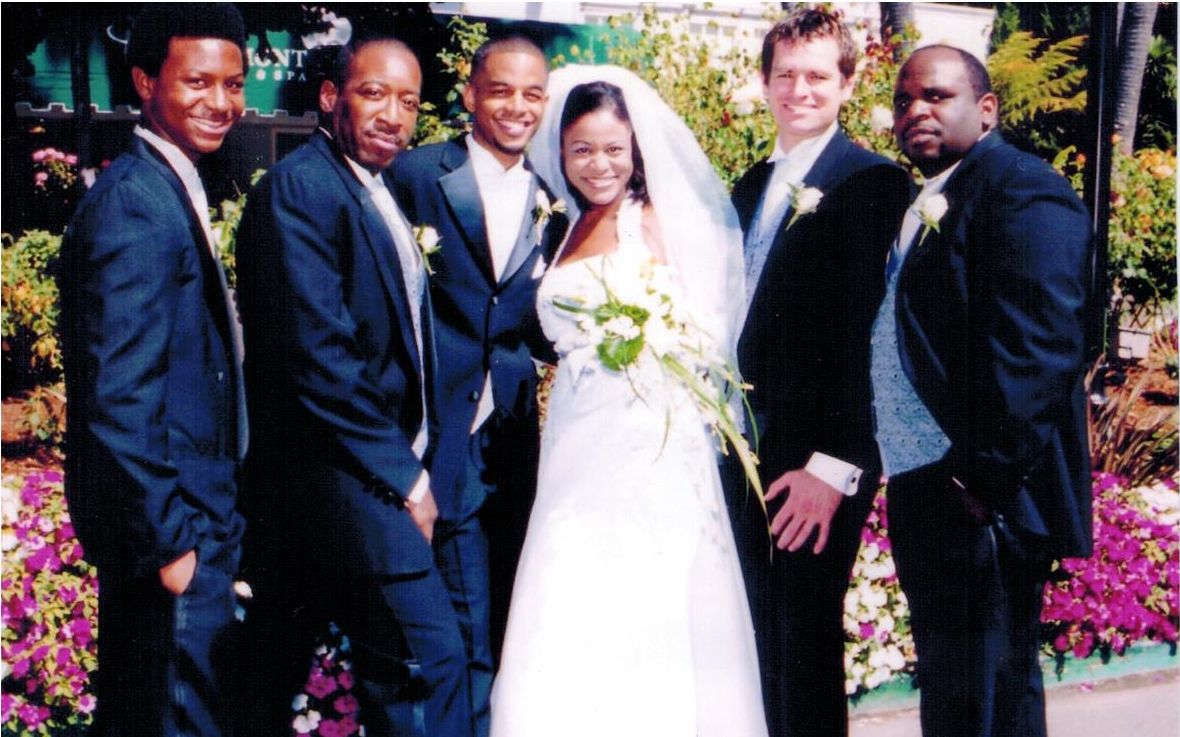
x: 840, y: 475
x: 421, y: 486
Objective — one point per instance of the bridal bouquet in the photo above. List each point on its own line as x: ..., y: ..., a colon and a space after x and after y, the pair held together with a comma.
x: 639, y: 319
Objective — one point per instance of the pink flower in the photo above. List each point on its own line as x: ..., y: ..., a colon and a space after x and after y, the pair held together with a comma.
x: 320, y: 684
x: 346, y: 704
x: 348, y: 725
x: 72, y: 159
x: 40, y: 178
x: 32, y: 715
x: 6, y: 705
x: 330, y: 728
x: 39, y: 155
x: 86, y: 703
x: 345, y: 680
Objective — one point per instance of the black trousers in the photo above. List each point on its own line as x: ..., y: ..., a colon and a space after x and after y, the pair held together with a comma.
x: 804, y: 675
x: 164, y: 661
x: 975, y: 591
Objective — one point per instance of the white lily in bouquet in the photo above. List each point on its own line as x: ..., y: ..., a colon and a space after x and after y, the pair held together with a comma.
x: 642, y: 318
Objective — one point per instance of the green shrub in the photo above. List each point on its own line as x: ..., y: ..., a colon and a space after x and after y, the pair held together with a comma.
x: 32, y: 354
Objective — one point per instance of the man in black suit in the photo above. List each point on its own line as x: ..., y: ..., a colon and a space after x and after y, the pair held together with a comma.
x: 339, y: 364
x: 978, y: 372
x: 157, y: 420
x: 818, y: 218
x: 481, y: 196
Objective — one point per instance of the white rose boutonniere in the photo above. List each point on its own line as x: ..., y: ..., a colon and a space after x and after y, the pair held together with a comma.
x: 428, y: 239
x: 544, y: 210
x: 931, y: 209
x: 804, y: 201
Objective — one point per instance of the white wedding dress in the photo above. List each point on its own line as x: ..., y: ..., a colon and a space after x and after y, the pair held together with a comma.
x: 629, y: 614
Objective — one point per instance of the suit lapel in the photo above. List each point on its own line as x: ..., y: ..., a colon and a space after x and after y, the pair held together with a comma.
x: 825, y: 175
x: 957, y: 191
x: 215, y: 298
x: 526, y: 239
x: 462, y: 194
x: 379, y: 240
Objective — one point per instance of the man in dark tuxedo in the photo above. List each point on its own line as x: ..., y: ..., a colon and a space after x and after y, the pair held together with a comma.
x: 485, y: 203
x: 157, y: 420
x: 340, y: 357
x: 813, y: 280
x: 978, y: 372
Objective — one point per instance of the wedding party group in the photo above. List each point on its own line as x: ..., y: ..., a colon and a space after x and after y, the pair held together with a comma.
x: 355, y: 430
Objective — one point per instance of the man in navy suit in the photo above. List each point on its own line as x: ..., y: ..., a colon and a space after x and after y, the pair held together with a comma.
x: 340, y: 359
x: 157, y: 421
x: 482, y: 198
x: 813, y: 280
x: 978, y: 372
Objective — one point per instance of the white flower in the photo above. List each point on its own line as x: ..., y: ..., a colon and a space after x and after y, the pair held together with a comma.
x: 931, y: 209
x: 659, y: 337
x: 622, y: 326
x: 747, y: 97
x: 428, y: 240
x: 299, y: 703
x: 804, y: 201
x: 544, y: 210
x: 242, y: 590
x: 307, y: 723
x: 882, y: 119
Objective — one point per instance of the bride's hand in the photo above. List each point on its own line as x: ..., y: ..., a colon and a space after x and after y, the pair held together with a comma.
x: 424, y: 512
x: 810, y: 504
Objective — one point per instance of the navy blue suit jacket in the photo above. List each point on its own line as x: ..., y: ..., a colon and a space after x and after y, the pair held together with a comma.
x: 804, y: 346
x: 332, y: 368
x: 991, y: 314
x: 152, y: 439
x: 482, y: 325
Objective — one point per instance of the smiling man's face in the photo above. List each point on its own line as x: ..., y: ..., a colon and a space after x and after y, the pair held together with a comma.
x: 197, y: 96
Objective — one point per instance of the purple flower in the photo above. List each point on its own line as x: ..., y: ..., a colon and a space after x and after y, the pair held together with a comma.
x: 6, y: 704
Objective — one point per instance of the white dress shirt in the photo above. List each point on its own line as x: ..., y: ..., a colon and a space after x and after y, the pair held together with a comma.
x: 414, y: 273
x: 186, y: 171
x: 504, y: 194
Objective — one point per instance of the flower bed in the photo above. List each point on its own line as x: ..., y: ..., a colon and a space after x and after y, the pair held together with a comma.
x: 1127, y: 592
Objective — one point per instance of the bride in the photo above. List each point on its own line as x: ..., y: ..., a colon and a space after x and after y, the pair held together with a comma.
x: 629, y: 615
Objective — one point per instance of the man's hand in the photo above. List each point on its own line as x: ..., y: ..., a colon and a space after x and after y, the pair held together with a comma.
x: 177, y: 575
x: 810, y: 504
x: 424, y: 513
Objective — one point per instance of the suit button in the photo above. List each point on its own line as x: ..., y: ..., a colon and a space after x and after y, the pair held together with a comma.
x: 495, y: 299
x: 220, y: 377
x: 474, y: 396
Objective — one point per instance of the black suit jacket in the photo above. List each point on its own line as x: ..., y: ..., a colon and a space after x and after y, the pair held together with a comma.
x: 150, y: 376
x: 332, y: 368
x: 991, y: 313
x: 482, y: 324
x: 805, y: 344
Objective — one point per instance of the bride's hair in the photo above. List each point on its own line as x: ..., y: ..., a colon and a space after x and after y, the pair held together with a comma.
x: 588, y: 98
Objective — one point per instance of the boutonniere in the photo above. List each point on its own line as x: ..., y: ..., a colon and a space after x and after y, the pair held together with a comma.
x: 545, y: 210
x: 931, y: 209
x: 804, y: 201
x: 427, y: 238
